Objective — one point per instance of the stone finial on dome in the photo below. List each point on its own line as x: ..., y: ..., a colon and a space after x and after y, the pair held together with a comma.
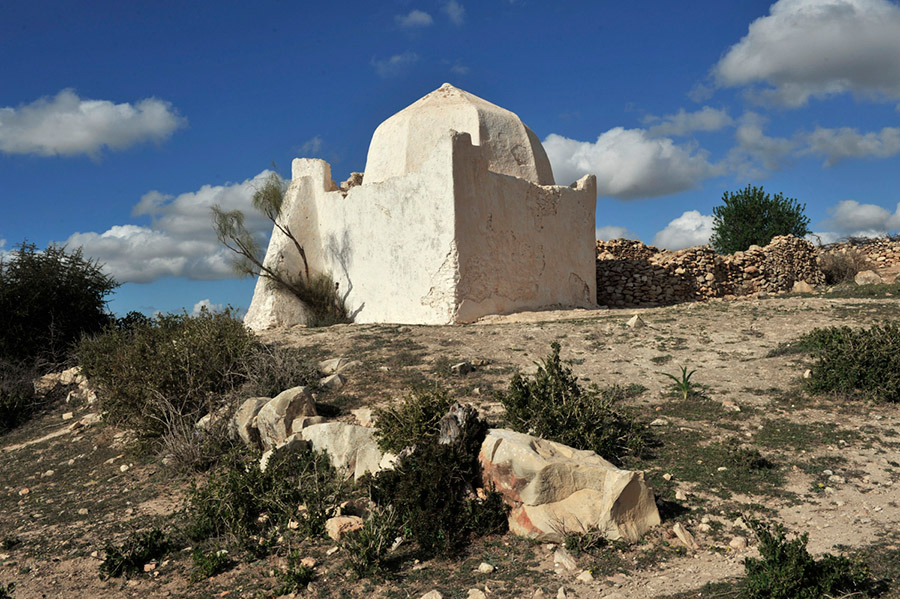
x: 403, y: 142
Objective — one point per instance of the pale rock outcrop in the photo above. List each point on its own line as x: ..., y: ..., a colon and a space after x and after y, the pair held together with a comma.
x: 340, y: 525
x: 243, y: 423
x: 554, y: 489
x: 274, y: 420
x: 867, y: 277
x: 350, y: 447
x: 457, y: 217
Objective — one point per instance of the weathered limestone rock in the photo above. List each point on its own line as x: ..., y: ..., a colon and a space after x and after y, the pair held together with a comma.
x: 350, y: 447
x: 802, y: 287
x: 554, y: 489
x: 274, y: 420
x: 457, y: 217
x: 292, y: 444
x: 867, y: 277
x: 333, y: 381
x: 340, y: 525
x: 243, y: 423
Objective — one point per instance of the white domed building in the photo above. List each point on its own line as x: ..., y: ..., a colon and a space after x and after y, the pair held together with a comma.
x: 457, y: 217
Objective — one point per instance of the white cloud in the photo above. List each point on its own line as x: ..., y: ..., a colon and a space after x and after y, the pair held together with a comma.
x: 683, y: 123
x: 611, y: 232
x: 66, y: 125
x: 395, y: 65
x: 455, y: 12
x: 755, y: 149
x: 688, y: 230
x: 817, y: 48
x: 849, y: 217
x: 207, y: 305
x: 629, y: 163
x: 310, y: 147
x: 459, y: 69
x: 180, y: 241
x: 414, y: 20
x: 838, y: 144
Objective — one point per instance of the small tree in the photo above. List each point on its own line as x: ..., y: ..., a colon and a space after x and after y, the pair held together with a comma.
x: 753, y: 217
x: 317, y: 291
x: 48, y: 300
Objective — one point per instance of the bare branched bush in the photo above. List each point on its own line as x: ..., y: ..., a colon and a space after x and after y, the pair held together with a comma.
x: 842, y: 267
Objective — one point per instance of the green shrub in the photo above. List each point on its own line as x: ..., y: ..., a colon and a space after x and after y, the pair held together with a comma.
x: 786, y: 570
x: 295, y: 577
x: 414, y: 420
x: 753, y: 217
x: 367, y: 548
x: 210, y: 563
x: 431, y: 490
x: 48, y: 299
x: 174, y: 367
x: 138, y: 549
x: 17, y: 398
x: 248, y: 505
x: 552, y: 405
x: 856, y: 360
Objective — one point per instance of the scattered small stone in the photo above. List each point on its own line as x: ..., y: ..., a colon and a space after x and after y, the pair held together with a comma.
x: 123, y: 468
x: 730, y: 406
x: 562, y: 558
x: 680, y: 495
x: 722, y: 469
x: 617, y: 578
x: 738, y: 543
x: 686, y: 538
x: 476, y: 594
x: 83, y: 511
x: 485, y: 568
x: 667, y: 476
x: 308, y: 562
x: 434, y: 594
x: 660, y: 422
x: 538, y: 594
x: 340, y: 525
x: 68, y: 416
x: 561, y: 593
x: 332, y: 550
x: 585, y: 576
x: 333, y: 381
x: 807, y: 373
x: 704, y: 527
x: 24, y: 491
x: 47, y: 473
x: 364, y: 416
x: 149, y: 566
x: 635, y: 322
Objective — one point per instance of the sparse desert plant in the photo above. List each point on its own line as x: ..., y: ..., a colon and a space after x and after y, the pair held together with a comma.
x: 317, y: 291
x: 552, y: 405
x: 210, y: 563
x: 842, y: 267
x: 273, y: 368
x: 17, y: 397
x: 856, y: 360
x: 589, y: 541
x: 786, y: 570
x: 296, y: 576
x: 414, y: 419
x: 137, y: 550
x: 48, y: 299
x: 367, y: 548
x: 249, y: 506
x: 682, y: 385
x: 175, y: 366
x: 753, y: 217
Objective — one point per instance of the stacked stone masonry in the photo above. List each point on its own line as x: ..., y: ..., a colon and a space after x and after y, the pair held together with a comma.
x: 632, y: 274
x: 881, y: 252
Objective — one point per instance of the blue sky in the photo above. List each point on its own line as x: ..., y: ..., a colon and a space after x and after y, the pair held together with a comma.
x: 122, y: 122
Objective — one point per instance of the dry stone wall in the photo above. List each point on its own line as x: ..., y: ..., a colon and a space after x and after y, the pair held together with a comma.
x: 881, y: 252
x: 630, y: 273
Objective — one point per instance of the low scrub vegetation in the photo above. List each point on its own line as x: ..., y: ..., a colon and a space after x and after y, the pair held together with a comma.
x: 554, y: 406
x: 17, y: 398
x: 852, y: 361
x: 842, y: 267
x: 414, y: 419
x: 137, y: 550
x: 786, y: 570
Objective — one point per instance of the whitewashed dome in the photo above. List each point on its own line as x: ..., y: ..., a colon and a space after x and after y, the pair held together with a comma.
x: 402, y: 143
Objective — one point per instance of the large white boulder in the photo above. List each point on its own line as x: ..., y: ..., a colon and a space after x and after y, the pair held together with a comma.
x: 275, y: 419
x: 554, y: 489
x: 351, y: 448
